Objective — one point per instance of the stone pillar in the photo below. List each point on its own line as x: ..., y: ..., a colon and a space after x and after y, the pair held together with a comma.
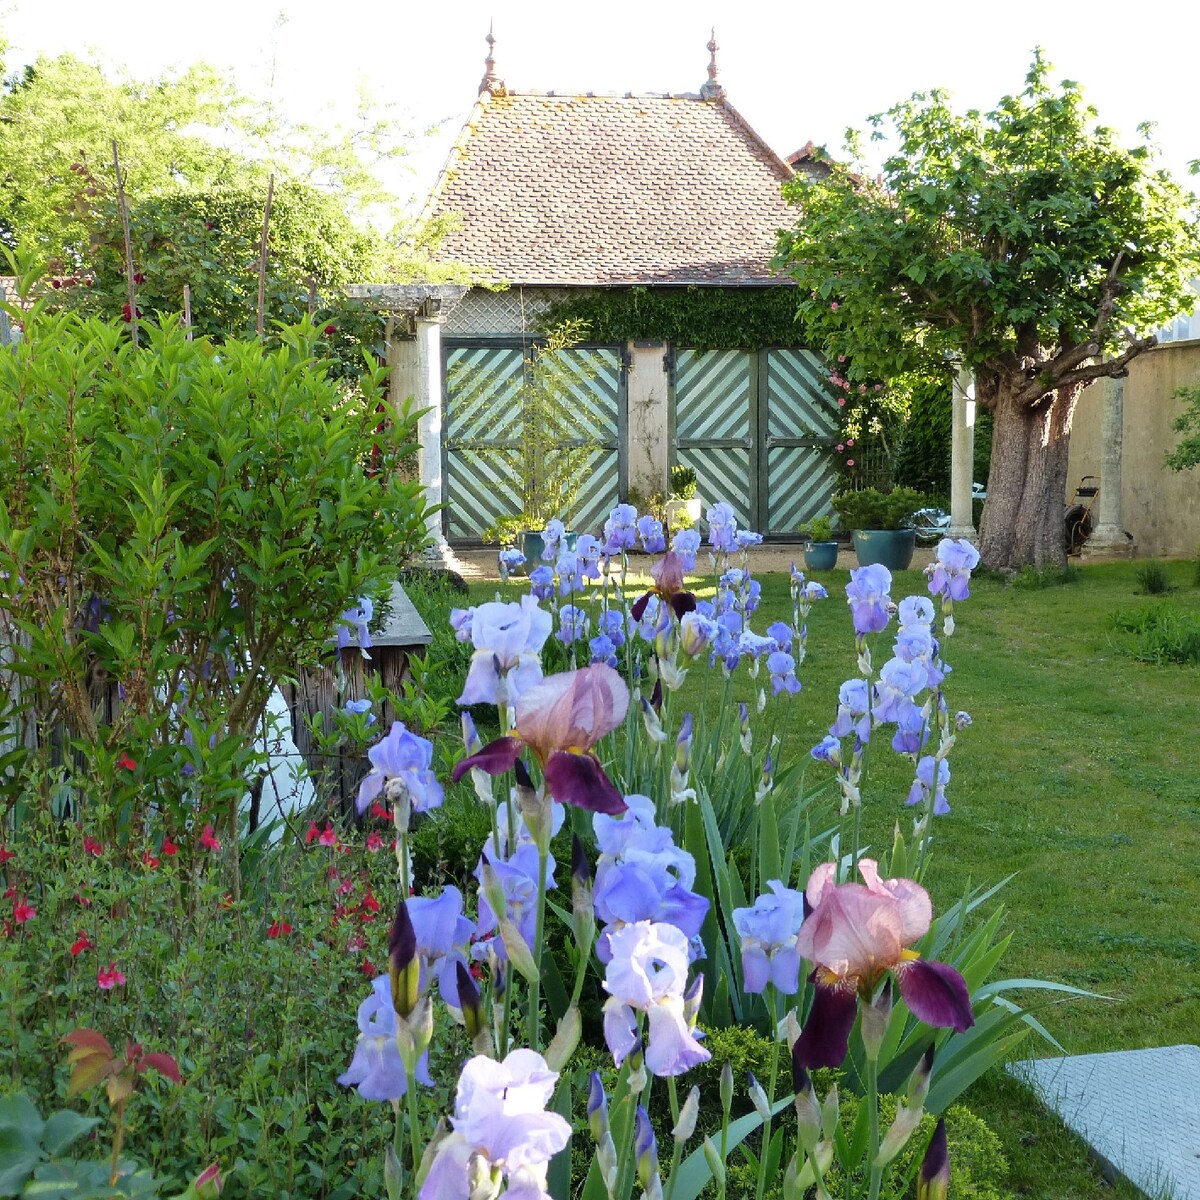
x: 1108, y: 538
x: 962, y: 456
x: 647, y: 445
x: 415, y: 358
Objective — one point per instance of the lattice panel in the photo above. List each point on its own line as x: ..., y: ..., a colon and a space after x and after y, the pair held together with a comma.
x: 800, y: 403
x: 509, y: 313
x: 800, y: 482
x: 485, y: 436
x: 712, y: 395
x: 722, y: 473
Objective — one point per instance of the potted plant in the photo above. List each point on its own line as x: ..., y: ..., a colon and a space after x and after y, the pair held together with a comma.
x: 880, y: 523
x: 683, y: 506
x: 820, y: 550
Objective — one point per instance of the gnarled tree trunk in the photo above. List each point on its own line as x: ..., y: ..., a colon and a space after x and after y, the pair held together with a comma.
x: 1023, y: 518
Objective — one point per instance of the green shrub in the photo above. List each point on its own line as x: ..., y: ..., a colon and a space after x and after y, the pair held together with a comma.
x: 1153, y: 578
x: 872, y: 509
x: 1160, y: 633
x: 683, y: 482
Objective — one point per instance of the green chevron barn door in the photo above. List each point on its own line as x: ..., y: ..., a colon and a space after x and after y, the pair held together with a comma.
x: 755, y: 427
x: 482, y: 432
x: 797, y: 474
x: 716, y: 420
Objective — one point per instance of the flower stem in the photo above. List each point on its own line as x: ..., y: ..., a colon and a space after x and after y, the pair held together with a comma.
x: 766, y: 1137
x: 535, y: 988
x: 873, y: 1127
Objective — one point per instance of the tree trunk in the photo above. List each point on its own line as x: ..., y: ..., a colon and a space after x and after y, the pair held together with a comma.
x: 1023, y: 518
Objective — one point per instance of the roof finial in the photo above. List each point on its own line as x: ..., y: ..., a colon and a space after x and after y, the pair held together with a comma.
x: 491, y: 83
x: 712, y: 90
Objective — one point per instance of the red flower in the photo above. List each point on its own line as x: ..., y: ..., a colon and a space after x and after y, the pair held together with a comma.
x: 92, y: 847
x: 368, y: 968
x: 23, y: 911
x: 356, y: 943
x: 328, y: 837
x: 126, y: 763
x: 369, y: 903
x: 169, y: 848
x: 109, y: 977
x: 312, y: 834
x: 209, y: 840
x: 127, y: 314
x: 148, y: 860
x: 330, y: 330
x: 6, y: 854
x: 83, y: 900
x: 138, y: 277
x: 81, y: 943
x: 278, y: 929
x: 344, y: 889
x: 374, y: 842
x: 378, y: 810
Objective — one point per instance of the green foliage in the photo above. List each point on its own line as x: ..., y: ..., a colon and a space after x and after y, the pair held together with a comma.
x: 1030, y: 579
x: 1160, y: 633
x: 873, y: 509
x: 1153, y: 578
x: 819, y: 529
x: 1187, y: 453
x: 698, y: 318
x: 683, y: 482
x: 989, y: 235
x: 923, y: 456
x: 179, y: 528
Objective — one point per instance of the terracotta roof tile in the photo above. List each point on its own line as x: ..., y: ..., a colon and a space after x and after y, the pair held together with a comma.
x: 612, y: 190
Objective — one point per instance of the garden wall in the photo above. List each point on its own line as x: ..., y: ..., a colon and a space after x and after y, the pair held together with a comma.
x: 1160, y: 507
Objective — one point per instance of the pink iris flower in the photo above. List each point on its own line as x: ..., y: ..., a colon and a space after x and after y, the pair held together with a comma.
x: 854, y: 936
x: 561, y: 719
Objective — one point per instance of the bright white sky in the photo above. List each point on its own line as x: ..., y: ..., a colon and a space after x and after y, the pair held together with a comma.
x: 795, y: 70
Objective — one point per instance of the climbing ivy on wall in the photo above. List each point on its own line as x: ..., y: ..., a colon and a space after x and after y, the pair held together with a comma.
x: 700, y: 318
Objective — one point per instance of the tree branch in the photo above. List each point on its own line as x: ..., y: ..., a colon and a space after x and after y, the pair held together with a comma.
x: 1036, y: 388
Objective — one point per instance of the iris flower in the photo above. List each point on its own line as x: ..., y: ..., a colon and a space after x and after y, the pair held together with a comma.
x: 561, y: 720
x: 854, y: 936
x: 406, y: 759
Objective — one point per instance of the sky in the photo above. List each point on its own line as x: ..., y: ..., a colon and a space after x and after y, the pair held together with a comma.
x: 795, y: 71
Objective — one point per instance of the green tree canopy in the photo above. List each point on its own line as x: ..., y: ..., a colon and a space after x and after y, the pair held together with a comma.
x: 1025, y: 242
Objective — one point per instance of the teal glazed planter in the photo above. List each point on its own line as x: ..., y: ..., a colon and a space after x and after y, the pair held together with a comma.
x: 820, y: 556
x: 532, y: 544
x: 891, y: 548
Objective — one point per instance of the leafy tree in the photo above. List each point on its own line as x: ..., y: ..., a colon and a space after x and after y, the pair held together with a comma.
x: 1026, y: 242
x: 1187, y: 453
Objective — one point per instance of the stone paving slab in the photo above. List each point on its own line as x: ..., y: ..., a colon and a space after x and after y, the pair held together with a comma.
x: 1139, y: 1110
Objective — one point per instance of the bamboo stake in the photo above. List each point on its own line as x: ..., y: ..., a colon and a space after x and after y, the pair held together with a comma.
x: 262, y: 256
x: 312, y: 297
x: 129, y: 284
x: 187, y: 310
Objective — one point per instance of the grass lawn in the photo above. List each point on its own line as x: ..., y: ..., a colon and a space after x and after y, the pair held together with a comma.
x: 1078, y: 777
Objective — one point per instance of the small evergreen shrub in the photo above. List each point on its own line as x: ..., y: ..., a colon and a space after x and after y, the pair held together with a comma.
x: 1159, y: 634
x: 1152, y: 578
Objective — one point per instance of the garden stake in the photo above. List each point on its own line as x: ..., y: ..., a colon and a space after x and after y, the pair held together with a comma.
x: 129, y: 284
x: 262, y: 256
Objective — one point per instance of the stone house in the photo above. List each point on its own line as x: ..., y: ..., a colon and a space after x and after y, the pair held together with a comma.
x: 647, y: 210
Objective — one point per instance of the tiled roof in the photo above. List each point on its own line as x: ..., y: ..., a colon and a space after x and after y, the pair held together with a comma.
x: 600, y: 189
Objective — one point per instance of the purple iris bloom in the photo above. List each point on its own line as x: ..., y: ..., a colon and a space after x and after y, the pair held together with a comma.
x: 443, y: 938
x: 648, y: 973
x: 460, y: 622
x: 782, y: 633
x: 915, y: 610
x: 932, y: 776
x: 829, y: 750
x: 852, y: 714
x: 358, y: 708
x: 602, y: 650
x: 507, y: 640
x: 686, y: 543
x: 696, y: 632
x: 518, y: 875
x: 867, y: 593
x: 510, y: 560
x: 500, y: 1124
x: 951, y: 573
x: 745, y: 539
x: 783, y: 673
x: 722, y: 528
x: 912, y: 729
x: 611, y: 623
x: 376, y: 1069
x: 650, y: 532
x: 814, y: 591
x: 541, y: 585
x: 402, y: 759
x: 359, y: 618
x: 552, y: 537
x: 572, y: 625
x: 620, y: 530
x: 570, y: 568
x: 754, y: 645
x: 768, y: 932
x: 899, y: 682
